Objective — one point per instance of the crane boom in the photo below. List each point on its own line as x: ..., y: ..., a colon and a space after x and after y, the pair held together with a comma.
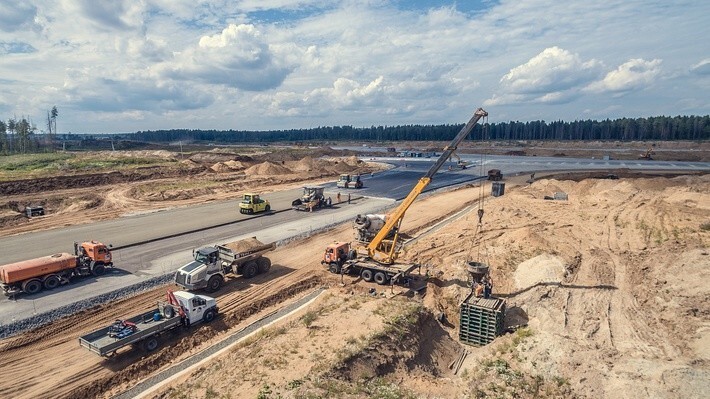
x: 385, y: 251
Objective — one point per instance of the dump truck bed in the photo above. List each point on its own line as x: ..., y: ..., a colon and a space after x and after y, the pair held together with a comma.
x: 241, y: 250
x: 102, y: 344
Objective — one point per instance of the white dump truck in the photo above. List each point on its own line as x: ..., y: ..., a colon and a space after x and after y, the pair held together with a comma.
x: 144, y: 330
x: 211, y: 265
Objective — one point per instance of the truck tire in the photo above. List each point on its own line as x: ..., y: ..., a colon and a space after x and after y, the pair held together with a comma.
x: 250, y: 269
x: 32, y: 286
x: 268, y: 208
x: 98, y: 269
x: 208, y: 316
x: 51, y: 282
x: 334, y: 268
x: 380, y: 278
x: 366, y: 275
x: 150, y: 344
x: 214, y: 283
x: 168, y: 312
x: 352, y: 254
x: 263, y: 264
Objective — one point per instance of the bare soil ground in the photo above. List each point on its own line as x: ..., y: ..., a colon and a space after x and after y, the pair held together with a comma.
x: 608, y: 291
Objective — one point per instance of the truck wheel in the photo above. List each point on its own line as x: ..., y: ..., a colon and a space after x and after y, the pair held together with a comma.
x: 208, y: 316
x: 334, y: 268
x: 366, y: 275
x: 352, y: 254
x: 268, y: 208
x: 380, y: 278
x: 168, y: 312
x: 150, y: 344
x: 32, y: 287
x: 98, y: 270
x: 263, y: 264
x: 214, y: 283
x: 51, y: 282
x: 250, y: 269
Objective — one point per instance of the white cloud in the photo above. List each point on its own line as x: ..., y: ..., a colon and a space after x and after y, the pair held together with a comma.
x: 702, y: 67
x: 307, y: 62
x: 551, y: 77
x: 631, y: 75
x: 238, y: 57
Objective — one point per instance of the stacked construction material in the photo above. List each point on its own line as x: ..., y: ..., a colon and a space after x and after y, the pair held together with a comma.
x: 481, y: 319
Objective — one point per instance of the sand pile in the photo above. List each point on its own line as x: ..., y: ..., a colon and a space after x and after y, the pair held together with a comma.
x: 234, y: 165
x: 137, y: 154
x: 306, y: 164
x: 545, y: 268
x: 352, y: 161
x: 244, y: 245
x: 220, y: 167
x: 267, y: 168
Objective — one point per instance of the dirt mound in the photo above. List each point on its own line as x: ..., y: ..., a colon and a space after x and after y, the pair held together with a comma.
x: 545, y: 268
x: 220, y: 167
x: 352, y: 161
x: 234, y: 165
x: 215, y: 157
x: 244, y: 245
x: 167, y: 155
x: 306, y: 164
x: 91, y: 180
x: 267, y: 169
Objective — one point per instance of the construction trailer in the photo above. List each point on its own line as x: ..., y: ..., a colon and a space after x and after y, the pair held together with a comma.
x: 481, y: 319
x: 497, y: 188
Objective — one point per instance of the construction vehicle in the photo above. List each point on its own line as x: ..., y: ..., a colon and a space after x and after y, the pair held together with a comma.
x: 460, y: 164
x: 212, y: 264
x: 181, y: 309
x: 349, y: 181
x: 376, y: 261
x: 312, y: 198
x: 495, y: 175
x: 367, y: 226
x: 49, y: 272
x: 647, y: 155
x: 252, y: 203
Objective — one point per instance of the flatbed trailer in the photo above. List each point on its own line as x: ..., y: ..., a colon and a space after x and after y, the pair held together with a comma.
x: 182, y: 309
x: 104, y: 344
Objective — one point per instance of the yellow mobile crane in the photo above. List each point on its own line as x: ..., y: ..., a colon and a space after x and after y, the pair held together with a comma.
x: 376, y: 261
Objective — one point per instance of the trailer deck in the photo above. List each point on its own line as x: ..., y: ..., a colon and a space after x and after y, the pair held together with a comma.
x: 103, y: 344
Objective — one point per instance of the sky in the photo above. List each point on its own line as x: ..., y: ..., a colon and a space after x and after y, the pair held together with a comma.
x: 113, y: 66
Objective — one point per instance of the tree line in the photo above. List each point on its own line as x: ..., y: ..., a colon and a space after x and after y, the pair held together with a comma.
x: 662, y: 128
x: 20, y: 135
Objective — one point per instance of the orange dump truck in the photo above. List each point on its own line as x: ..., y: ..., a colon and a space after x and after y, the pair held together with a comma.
x: 48, y: 272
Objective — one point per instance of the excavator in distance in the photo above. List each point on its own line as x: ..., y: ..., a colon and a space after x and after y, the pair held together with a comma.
x: 376, y: 260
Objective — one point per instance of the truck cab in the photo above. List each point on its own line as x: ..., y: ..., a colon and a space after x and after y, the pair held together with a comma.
x: 195, y: 275
x: 336, y: 254
x: 194, y: 305
x: 251, y: 203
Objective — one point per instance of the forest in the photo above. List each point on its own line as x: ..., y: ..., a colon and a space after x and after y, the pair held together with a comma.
x: 625, y: 129
x: 20, y: 136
